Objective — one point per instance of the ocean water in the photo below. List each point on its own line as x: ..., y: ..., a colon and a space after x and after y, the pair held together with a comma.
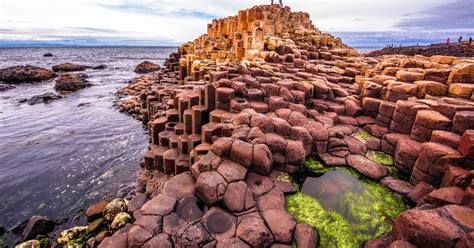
x: 58, y: 157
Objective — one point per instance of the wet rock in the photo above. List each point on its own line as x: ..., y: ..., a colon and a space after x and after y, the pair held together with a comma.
x: 253, y: 231
x: 68, y: 67
x: 306, y: 236
x: 366, y: 166
x: 180, y: 186
x: 220, y: 224
x: 37, y: 225
x: 96, y: 210
x: 146, y: 67
x: 70, y: 82
x: 281, y: 224
x: 210, y: 187
x: 25, y: 74
x: 44, y: 98
x: 159, y: 205
x: 48, y: 55
x: 113, y: 208
x: 466, y: 241
x: 5, y: 87
x: 120, y: 220
x: 99, y: 67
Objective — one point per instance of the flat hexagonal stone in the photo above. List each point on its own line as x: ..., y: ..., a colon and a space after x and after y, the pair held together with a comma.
x: 159, y: 205
x: 220, y: 224
x: 187, y: 209
x: 258, y: 184
x: 210, y: 187
x: 180, y: 186
x: 281, y: 224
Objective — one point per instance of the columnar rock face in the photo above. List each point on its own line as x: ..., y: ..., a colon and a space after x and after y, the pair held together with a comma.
x: 243, y: 106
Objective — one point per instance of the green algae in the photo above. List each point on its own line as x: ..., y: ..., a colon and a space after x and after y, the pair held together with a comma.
x: 316, y: 166
x: 359, y: 217
x: 386, y: 160
x: 362, y: 135
x: 284, y: 177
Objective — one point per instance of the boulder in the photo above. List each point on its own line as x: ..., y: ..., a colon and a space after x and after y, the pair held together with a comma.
x: 37, y: 225
x: 445, y: 196
x: 232, y: 171
x: 68, y: 67
x: 138, y: 236
x: 70, y: 82
x: 113, y: 208
x: 25, y: 74
x: 146, y: 67
x: 96, y: 210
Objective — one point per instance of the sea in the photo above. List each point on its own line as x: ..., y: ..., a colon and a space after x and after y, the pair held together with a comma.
x: 57, y: 158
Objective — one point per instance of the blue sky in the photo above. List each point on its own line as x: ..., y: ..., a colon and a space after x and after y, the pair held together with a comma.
x: 171, y: 22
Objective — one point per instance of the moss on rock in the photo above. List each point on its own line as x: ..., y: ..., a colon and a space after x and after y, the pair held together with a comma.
x: 362, y: 135
x: 316, y: 166
x: 360, y: 217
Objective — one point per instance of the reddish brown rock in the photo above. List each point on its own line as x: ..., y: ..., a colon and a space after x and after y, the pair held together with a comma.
x: 426, y: 228
x: 220, y: 224
x: 419, y: 192
x: 159, y: 205
x: 252, y: 230
x: 281, y: 224
x: 210, y: 187
x: 241, y: 152
x: 68, y: 67
x: 146, y: 67
x: 96, y: 210
x: 445, y: 196
x: 138, y: 236
x: 25, y: 74
x: 262, y: 159
x: 466, y: 145
x: 366, y: 166
x: 306, y: 236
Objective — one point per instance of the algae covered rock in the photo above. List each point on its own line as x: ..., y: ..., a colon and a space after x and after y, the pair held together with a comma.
x: 113, y: 208
x: 120, y: 220
x: 29, y: 244
x: 67, y: 236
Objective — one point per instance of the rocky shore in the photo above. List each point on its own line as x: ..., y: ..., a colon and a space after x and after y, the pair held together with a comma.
x: 235, y: 116
x: 454, y: 49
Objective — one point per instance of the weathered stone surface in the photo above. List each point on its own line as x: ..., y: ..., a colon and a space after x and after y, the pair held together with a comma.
x: 159, y: 241
x: 262, y: 159
x: 234, y: 197
x: 419, y: 192
x: 241, y: 152
x: 160, y: 205
x: 152, y: 223
x: 220, y: 224
x: 232, y: 243
x: 445, y: 196
x: 188, y: 209
x: 232, y: 171
x: 70, y: 82
x: 25, y: 74
x: 306, y: 236
x: 426, y: 228
x: 95, y: 210
x: 180, y: 186
x: 258, y: 184
x: 138, y: 236
x: 281, y: 224
x: 37, y: 225
x: 274, y: 199
x: 210, y: 187
x: 252, y: 230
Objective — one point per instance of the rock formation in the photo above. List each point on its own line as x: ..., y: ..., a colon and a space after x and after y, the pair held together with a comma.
x: 68, y: 67
x: 25, y: 74
x: 146, y: 67
x: 71, y: 82
x: 235, y: 113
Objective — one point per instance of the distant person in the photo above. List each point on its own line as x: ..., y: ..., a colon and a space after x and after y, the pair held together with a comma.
x: 470, y: 41
x: 448, y: 41
x: 281, y: 3
x: 460, y: 39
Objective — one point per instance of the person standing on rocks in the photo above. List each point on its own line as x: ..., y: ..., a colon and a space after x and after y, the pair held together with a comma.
x: 281, y: 3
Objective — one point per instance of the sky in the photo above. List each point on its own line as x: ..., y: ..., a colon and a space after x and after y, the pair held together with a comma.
x: 171, y: 22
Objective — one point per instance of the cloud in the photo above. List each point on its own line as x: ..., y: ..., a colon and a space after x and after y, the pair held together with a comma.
x: 176, y: 21
x: 453, y: 15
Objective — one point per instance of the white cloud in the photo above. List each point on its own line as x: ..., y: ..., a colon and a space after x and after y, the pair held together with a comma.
x: 182, y: 20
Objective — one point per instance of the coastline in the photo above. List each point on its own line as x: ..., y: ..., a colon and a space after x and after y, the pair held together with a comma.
x: 230, y: 127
